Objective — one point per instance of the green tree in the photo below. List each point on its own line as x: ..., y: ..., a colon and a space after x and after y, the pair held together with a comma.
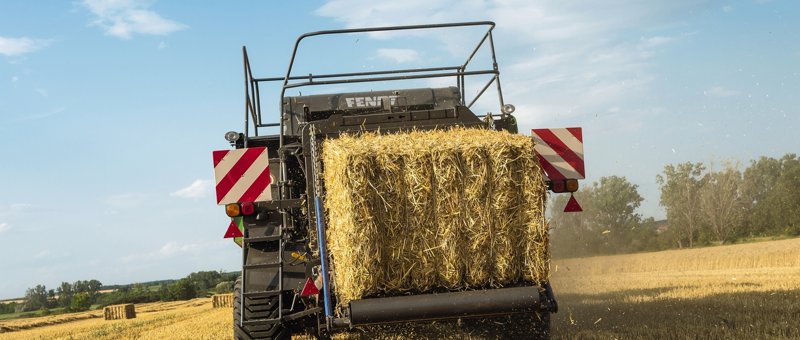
x: 64, y: 292
x: 680, y: 196
x: 183, y: 289
x: 615, y: 201
x: 758, y: 181
x: 51, y: 299
x: 785, y: 197
x: 93, y: 288
x: 771, y: 196
x: 204, y: 280
x: 608, y: 224
x: 721, y: 203
x: 35, y: 298
x: 163, y: 293
x: 80, y: 302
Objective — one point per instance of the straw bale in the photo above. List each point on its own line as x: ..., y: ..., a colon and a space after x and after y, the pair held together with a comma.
x: 450, y: 222
x: 430, y: 210
x: 118, y: 312
x: 222, y: 300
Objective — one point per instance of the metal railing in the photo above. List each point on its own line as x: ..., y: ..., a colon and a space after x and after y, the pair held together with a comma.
x: 252, y: 88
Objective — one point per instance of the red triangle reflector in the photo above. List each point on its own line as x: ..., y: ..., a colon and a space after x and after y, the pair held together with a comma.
x: 572, y: 205
x: 233, y: 231
x: 309, y: 288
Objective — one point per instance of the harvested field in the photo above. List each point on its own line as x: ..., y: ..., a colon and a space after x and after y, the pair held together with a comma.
x: 747, y: 291
x: 193, y: 319
x: 429, y: 210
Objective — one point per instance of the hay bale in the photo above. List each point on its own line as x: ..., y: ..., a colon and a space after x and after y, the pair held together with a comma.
x: 432, y: 210
x: 117, y: 312
x: 222, y: 300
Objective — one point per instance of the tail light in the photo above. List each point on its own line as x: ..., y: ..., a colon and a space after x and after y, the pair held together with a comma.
x: 248, y: 208
x: 567, y: 185
x: 233, y: 209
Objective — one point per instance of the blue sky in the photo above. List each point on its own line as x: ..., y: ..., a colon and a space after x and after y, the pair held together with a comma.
x: 109, y: 110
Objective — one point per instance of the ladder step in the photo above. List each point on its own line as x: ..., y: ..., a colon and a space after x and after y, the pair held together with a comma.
x: 263, y: 293
x: 263, y: 265
x: 259, y: 321
x: 263, y: 239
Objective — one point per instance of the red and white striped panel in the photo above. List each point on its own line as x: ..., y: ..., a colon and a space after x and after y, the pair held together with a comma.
x: 242, y: 175
x: 560, y: 152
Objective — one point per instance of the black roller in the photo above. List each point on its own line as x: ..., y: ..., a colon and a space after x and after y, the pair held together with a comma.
x: 445, y: 305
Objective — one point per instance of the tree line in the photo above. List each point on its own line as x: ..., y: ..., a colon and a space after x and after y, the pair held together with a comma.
x: 83, y: 294
x: 77, y: 296
x: 704, y: 204
x: 197, y: 284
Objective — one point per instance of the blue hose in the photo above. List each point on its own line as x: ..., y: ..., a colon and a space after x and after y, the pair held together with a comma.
x: 323, y: 254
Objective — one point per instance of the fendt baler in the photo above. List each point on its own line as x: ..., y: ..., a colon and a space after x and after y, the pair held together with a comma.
x: 272, y: 188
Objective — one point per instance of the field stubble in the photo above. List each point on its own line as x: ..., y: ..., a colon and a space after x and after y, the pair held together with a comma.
x: 744, y: 291
x: 193, y: 319
x: 747, y: 291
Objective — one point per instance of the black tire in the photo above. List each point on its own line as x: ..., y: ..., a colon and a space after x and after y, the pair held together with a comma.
x: 266, y: 308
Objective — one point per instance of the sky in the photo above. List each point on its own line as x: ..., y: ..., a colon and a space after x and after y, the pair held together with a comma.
x: 109, y: 109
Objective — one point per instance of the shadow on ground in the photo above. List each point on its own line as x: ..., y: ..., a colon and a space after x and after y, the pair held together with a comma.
x: 626, y: 315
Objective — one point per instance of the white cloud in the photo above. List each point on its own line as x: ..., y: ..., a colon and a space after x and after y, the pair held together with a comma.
x: 399, y: 55
x: 655, y: 42
x: 14, y: 79
x: 561, y: 60
x: 174, y: 249
x: 727, y: 9
x: 4, y: 227
x: 198, y: 189
x: 720, y: 92
x: 52, y: 112
x: 18, y: 46
x: 162, y: 45
x: 124, y: 18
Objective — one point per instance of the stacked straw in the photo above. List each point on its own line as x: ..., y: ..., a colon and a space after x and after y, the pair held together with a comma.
x: 433, y: 210
x: 117, y: 312
x: 222, y: 300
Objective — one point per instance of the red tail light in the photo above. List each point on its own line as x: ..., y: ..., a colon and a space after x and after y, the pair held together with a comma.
x: 248, y: 208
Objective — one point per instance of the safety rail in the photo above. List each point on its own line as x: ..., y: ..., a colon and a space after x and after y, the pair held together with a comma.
x: 253, y: 95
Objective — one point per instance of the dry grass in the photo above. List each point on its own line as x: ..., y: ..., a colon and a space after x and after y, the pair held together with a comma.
x: 428, y: 210
x: 194, y: 319
x: 747, y: 291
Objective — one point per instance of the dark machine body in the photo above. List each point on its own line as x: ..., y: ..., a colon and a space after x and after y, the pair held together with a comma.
x: 281, y: 236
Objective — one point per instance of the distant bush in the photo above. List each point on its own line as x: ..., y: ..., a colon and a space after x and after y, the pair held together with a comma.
x: 80, y: 302
x: 44, y: 311
x: 224, y: 287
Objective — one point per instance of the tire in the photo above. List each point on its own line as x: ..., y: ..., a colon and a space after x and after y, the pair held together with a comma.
x: 265, y: 308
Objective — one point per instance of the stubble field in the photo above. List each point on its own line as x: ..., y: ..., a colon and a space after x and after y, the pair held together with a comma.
x: 747, y: 291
